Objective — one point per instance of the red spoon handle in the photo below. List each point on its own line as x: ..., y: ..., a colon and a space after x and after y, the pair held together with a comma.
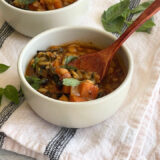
x: 147, y: 14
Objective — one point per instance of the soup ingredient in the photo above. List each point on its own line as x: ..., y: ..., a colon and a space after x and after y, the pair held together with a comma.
x: 40, y: 5
x: 88, y: 89
x: 71, y: 82
x: 10, y: 92
x: 115, y: 17
x: 23, y: 2
x: 49, y: 73
x: 3, y: 68
x: 35, y: 82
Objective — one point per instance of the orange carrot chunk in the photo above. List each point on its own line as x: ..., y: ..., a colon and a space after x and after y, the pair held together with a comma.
x: 88, y: 90
x: 66, y: 89
x: 58, y: 4
x: 63, y: 98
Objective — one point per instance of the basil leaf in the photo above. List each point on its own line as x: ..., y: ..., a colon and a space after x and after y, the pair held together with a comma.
x: 68, y: 59
x: 126, y: 13
x: 116, y: 10
x: 117, y: 15
x: 3, y: 68
x: 35, y: 82
x: 36, y: 60
x: 147, y: 26
x: 1, y: 94
x: 71, y: 82
x: 141, y: 7
x: 24, y: 2
x: 11, y: 93
x: 114, y: 26
x: 69, y: 67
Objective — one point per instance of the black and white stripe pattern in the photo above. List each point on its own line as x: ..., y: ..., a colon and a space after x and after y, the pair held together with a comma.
x: 58, y: 143
x: 9, y: 109
x: 5, y: 31
x: 2, y: 136
x: 133, y: 4
x: 56, y: 146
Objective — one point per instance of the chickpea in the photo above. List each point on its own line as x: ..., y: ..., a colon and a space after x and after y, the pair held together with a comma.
x: 63, y: 73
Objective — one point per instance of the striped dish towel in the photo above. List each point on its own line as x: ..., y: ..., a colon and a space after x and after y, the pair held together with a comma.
x: 124, y: 136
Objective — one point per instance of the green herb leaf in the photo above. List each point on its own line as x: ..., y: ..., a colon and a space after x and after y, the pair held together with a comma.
x: 11, y: 93
x: 68, y: 59
x: 3, y: 68
x: 69, y: 67
x: 147, y: 26
x: 35, y: 82
x: 116, y: 16
x: 24, y: 2
x: 71, y: 82
x: 116, y: 11
x: 1, y: 94
x: 114, y: 26
x: 126, y: 14
x: 36, y: 60
x: 141, y: 7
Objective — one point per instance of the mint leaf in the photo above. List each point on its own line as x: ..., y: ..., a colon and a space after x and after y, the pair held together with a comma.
x: 1, y: 94
x: 69, y: 67
x: 71, y: 82
x: 126, y: 14
x: 146, y: 27
x: 141, y: 7
x: 114, y: 26
x: 24, y: 2
x: 3, y: 68
x: 11, y: 93
x: 36, y: 60
x: 115, y: 11
x: 35, y: 82
x: 116, y: 17
x: 112, y: 19
x: 68, y: 59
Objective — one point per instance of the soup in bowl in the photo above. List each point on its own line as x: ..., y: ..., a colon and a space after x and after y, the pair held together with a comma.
x: 68, y: 96
x: 30, y: 21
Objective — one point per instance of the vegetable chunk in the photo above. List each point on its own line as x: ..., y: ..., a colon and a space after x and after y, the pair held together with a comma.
x: 88, y: 90
x: 74, y: 98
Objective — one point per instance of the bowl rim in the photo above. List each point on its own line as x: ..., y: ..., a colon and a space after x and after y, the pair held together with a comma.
x: 39, y: 36
x: 41, y: 12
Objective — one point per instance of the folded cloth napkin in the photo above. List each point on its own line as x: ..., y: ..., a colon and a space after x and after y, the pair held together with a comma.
x: 130, y: 134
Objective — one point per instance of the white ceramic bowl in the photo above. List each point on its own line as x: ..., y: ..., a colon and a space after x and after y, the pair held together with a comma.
x: 73, y: 114
x: 31, y: 23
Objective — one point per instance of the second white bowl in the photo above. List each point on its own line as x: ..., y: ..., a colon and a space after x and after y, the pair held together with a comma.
x: 31, y: 23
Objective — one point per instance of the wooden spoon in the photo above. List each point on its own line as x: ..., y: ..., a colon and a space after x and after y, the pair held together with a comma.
x: 99, y: 61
